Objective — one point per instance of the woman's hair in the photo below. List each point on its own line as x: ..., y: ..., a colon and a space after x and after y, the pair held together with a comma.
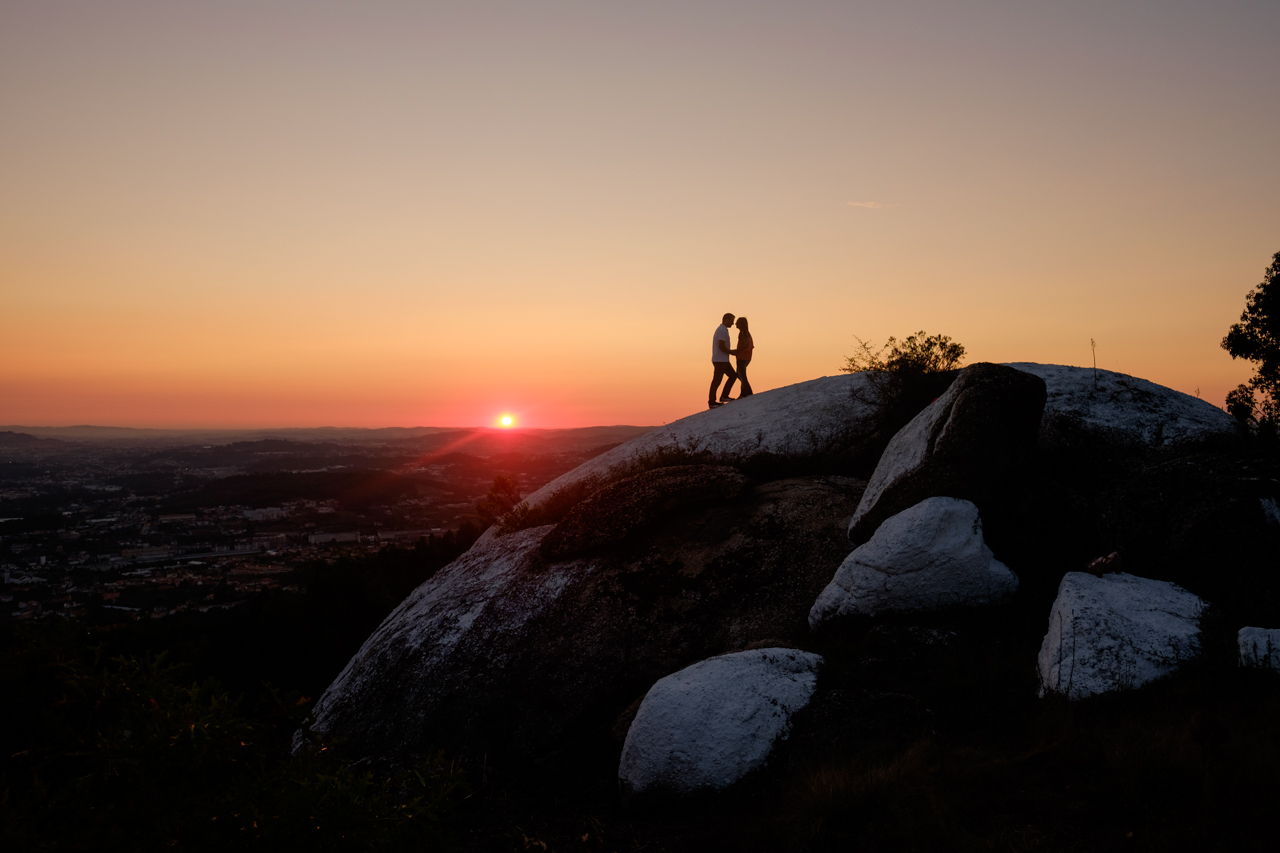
x: 742, y: 324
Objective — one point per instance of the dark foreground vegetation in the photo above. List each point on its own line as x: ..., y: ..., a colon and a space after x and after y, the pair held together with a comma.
x: 176, y: 734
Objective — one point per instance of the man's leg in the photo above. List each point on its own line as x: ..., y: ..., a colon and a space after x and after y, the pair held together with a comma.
x: 728, y: 386
x: 718, y: 366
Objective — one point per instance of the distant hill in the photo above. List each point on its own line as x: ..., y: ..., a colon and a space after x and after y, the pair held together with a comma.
x: 478, y: 440
x: 22, y: 439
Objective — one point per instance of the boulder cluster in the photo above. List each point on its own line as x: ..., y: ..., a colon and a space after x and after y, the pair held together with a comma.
x: 678, y: 589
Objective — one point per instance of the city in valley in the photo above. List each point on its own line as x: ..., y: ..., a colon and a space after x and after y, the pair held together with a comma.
x: 105, y: 526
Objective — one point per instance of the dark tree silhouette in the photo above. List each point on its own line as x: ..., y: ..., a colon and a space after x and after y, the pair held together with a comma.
x: 1256, y: 338
x: 503, y: 495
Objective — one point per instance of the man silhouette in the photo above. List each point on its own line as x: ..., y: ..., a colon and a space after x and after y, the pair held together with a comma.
x: 720, y: 362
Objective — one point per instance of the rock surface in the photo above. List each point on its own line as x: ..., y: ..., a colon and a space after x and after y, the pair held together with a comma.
x: 622, y: 508
x: 505, y: 650
x: 1122, y: 408
x: 708, y: 725
x: 1259, y: 647
x: 963, y: 445
x: 1116, y: 631
x: 814, y: 418
x: 929, y: 557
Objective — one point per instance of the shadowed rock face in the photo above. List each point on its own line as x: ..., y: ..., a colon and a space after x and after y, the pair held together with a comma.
x: 507, y: 650
x: 632, y: 504
x: 963, y: 445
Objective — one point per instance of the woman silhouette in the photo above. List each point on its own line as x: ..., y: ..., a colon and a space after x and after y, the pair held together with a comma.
x: 743, y: 353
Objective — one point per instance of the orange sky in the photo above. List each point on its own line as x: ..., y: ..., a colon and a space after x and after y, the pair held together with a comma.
x: 243, y: 214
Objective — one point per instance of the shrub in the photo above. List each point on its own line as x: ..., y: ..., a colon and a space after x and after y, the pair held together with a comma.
x: 916, y: 355
x: 909, y: 375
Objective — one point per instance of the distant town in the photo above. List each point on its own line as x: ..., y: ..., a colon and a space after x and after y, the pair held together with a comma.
x: 108, y: 526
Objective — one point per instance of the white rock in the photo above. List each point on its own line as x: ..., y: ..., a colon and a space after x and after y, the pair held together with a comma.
x: 817, y: 416
x: 1259, y: 647
x: 708, y: 725
x: 1116, y: 631
x: 442, y: 617
x: 1126, y: 407
x: 905, y: 452
x: 928, y: 557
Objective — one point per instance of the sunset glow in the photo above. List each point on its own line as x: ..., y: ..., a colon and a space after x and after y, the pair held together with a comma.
x: 378, y: 214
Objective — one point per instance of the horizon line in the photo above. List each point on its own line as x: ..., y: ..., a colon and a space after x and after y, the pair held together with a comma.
x: 18, y: 427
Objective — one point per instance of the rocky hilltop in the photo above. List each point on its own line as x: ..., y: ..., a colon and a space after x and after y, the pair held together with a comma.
x: 667, y: 591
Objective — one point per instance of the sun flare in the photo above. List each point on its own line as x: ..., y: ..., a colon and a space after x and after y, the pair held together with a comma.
x: 506, y: 421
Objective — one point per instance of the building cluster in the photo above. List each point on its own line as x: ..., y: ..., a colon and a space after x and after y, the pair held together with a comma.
x: 116, y: 595
x: 132, y: 564
x: 143, y: 529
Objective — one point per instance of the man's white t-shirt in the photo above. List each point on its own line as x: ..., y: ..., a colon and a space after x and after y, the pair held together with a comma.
x: 722, y: 334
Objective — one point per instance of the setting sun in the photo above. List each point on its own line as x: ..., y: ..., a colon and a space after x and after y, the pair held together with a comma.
x: 506, y: 421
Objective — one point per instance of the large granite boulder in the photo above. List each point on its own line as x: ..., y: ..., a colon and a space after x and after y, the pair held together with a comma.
x: 929, y: 557
x: 813, y: 420
x: 1114, y: 408
x: 1116, y: 631
x: 963, y: 445
x: 710, y: 724
x: 1259, y: 647
x: 622, y: 508
x: 505, y: 649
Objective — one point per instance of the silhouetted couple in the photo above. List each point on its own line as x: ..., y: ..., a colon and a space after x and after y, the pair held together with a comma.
x: 720, y: 353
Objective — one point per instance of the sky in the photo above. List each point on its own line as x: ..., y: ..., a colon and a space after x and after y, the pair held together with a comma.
x: 286, y: 213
